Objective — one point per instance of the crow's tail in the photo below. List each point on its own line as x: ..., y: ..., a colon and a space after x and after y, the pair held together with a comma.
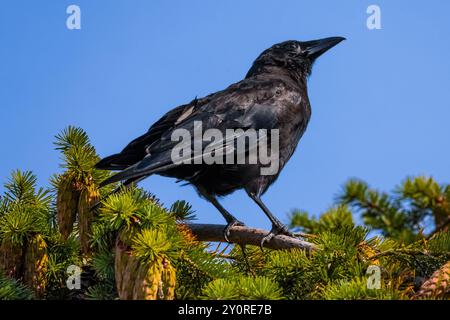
x: 118, y: 161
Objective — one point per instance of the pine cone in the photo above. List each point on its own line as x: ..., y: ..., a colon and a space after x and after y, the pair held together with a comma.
x: 438, y: 285
x: 66, y: 205
x: 168, y: 281
x: 136, y: 280
x: 11, y: 259
x: 155, y: 281
x: 35, y: 265
x: 87, y: 198
x: 125, y: 270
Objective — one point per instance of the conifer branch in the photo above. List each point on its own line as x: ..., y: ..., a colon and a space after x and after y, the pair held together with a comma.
x: 245, y: 235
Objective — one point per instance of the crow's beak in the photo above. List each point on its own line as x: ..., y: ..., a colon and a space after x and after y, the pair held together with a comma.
x: 316, y: 48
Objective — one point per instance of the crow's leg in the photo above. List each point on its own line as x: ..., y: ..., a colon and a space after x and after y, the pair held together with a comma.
x: 231, y: 220
x: 277, y: 226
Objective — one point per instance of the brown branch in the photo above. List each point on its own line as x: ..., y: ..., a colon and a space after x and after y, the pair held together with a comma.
x: 245, y: 235
x: 439, y: 228
x: 437, y: 285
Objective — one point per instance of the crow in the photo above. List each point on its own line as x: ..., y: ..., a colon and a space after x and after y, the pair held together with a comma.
x: 272, y: 96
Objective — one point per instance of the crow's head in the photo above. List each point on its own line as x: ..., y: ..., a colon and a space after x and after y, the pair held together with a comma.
x: 296, y: 56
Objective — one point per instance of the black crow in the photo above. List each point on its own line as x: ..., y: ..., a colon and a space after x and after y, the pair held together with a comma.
x: 273, y: 96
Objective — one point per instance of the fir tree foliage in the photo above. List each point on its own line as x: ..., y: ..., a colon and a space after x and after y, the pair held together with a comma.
x: 131, y: 246
x: 11, y: 289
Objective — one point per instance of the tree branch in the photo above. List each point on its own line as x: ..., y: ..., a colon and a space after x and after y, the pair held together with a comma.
x: 246, y: 235
x: 439, y: 228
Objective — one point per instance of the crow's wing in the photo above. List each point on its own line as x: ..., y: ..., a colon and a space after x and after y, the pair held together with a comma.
x: 241, y: 106
x: 135, y: 151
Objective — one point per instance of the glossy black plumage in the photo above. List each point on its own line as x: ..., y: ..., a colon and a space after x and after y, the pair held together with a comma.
x: 273, y: 95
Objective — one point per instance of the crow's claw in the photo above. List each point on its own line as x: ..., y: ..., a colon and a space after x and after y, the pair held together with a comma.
x: 276, y: 230
x: 226, y: 231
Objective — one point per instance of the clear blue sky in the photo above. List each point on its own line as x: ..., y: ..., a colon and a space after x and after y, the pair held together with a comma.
x: 380, y: 100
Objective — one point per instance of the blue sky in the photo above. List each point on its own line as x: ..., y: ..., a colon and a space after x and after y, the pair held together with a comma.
x: 380, y: 100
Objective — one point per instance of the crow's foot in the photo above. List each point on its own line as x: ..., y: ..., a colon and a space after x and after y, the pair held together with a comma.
x: 276, y: 230
x: 231, y: 224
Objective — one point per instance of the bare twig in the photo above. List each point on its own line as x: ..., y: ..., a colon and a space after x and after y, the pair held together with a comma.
x: 245, y: 235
